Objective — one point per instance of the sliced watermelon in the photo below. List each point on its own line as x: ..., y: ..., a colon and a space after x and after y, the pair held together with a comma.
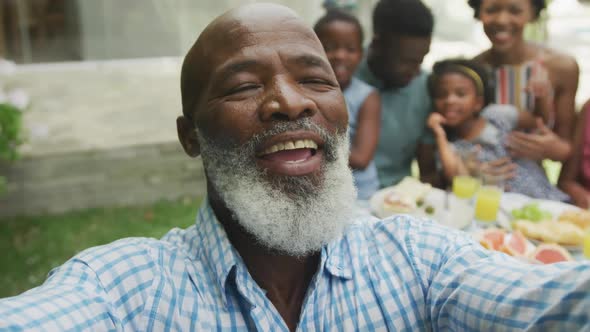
x: 486, y: 244
x: 551, y: 253
x: 495, y: 236
x: 515, y: 244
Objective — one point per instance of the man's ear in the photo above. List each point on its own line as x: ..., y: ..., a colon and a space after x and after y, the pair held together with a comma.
x: 188, y: 136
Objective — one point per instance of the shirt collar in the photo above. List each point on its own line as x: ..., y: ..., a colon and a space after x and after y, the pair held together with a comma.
x: 349, y: 253
x: 219, y: 254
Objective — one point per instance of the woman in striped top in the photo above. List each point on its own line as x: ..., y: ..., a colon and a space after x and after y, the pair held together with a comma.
x: 530, y: 76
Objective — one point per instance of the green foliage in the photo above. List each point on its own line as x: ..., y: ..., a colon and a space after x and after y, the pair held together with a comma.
x: 10, y: 127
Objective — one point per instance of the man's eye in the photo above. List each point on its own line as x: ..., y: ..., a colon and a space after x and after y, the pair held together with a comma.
x: 315, y: 81
x: 312, y: 81
x: 242, y: 88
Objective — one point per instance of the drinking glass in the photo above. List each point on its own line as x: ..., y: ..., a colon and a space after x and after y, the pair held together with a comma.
x: 487, y: 201
x: 587, y: 244
x: 465, y: 186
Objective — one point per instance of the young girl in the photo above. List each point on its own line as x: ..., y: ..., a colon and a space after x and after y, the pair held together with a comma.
x: 464, y: 120
x: 342, y: 37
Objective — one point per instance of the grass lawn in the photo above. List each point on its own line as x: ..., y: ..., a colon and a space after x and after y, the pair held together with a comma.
x: 31, y: 246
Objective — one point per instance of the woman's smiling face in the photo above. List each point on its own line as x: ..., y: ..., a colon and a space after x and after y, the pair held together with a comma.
x: 504, y: 21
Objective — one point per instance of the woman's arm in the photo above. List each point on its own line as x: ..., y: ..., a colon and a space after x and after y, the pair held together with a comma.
x: 569, y: 177
x: 367, y: 134
x: 545, y: 143
x: 542, y: 88
x: 566, y: 71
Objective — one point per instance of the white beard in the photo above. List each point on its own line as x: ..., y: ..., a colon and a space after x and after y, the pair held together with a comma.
x: 292, y: 215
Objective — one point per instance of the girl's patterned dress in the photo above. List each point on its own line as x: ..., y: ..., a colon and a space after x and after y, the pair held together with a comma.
x: 530, y: 178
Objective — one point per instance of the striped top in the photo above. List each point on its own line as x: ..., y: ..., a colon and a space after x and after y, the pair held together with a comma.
x: 511, y: 81
x: 399, y: 274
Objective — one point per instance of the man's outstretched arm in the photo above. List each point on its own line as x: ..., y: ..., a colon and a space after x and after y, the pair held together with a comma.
x: 476, y: 290
x: 72, y: 298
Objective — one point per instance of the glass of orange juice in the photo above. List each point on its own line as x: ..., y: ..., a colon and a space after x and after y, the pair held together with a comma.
x: 587, y: 244
x: 465, y: 186
x: 489, y: 197
x: 487, y: 203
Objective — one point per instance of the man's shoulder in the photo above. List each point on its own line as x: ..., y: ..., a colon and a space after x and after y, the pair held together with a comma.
x: 406, y: 226
x: 402, y: 245
x: 406, y: 231
x: 135, y: 252
x: 127, y: 247
x: 419, y: 85
x: 402, y: 232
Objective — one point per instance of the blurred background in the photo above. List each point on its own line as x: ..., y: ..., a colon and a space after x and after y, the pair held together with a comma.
x: 97, y: 89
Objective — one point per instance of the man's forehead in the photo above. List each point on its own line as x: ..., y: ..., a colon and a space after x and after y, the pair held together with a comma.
x: 237, y: 32
x: 261, y: 26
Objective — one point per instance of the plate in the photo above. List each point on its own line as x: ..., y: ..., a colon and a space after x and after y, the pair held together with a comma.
x: 511, y: 201
x: 459, y: 214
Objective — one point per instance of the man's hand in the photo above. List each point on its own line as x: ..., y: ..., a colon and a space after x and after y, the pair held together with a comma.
x: 436, y: 122
x: 533, y: 146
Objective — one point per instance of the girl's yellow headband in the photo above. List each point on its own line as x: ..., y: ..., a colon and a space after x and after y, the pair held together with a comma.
x: 474, y: 76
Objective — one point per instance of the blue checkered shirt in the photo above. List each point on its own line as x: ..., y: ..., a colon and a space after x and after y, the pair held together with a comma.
x: 397, y: 274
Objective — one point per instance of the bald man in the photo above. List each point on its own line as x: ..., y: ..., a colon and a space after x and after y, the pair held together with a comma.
x: 274, y: 247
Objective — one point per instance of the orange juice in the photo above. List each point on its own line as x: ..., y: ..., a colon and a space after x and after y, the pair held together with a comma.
x: 487, y: 203
x: 465, y: 186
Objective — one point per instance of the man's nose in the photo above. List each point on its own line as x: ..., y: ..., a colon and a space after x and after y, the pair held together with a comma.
x: 287, y: 102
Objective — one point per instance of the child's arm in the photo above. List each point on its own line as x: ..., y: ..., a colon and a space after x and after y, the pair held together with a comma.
x: 451, y: 162
x: 367, y: 134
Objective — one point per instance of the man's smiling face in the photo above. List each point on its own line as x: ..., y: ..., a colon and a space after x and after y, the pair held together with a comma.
x: 271, y: 127
x: 271, y: 75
